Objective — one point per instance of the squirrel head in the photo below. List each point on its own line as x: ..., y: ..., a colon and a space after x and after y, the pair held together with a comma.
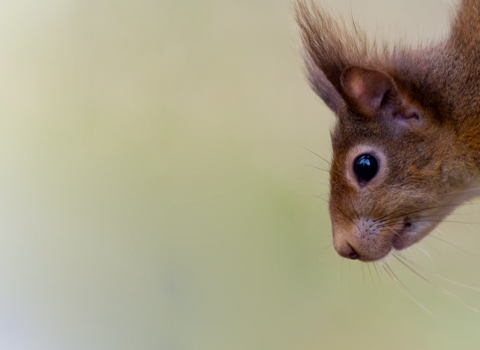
x: 391, y: 171
x: 397, y: 170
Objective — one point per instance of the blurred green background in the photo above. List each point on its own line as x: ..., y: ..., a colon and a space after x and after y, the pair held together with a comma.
x: 154, y: 193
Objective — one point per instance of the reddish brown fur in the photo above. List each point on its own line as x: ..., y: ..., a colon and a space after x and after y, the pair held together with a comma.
x: 432, y: 160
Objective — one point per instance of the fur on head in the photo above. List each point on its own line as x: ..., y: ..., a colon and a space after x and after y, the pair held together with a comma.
x: 397, y: 121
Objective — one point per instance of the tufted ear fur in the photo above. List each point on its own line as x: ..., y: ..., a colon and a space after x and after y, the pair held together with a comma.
x: 335, y: 57
x: 321, y: 85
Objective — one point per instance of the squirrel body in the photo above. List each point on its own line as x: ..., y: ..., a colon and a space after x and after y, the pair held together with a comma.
x: 406, y: 145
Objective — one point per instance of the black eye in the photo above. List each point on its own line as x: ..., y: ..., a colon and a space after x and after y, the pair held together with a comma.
x: 366, y: 167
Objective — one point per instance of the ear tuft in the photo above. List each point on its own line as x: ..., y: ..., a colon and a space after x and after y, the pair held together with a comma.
x: 321, y: 85
x: 366, y: 87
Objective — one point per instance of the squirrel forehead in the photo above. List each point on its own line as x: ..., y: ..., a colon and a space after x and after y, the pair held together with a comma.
x: 350, y: 135
x: 352, y: 129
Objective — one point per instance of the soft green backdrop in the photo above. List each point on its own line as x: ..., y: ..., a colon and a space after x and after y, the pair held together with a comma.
x: 154, y: 193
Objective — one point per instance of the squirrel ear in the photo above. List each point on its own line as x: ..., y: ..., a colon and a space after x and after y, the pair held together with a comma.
x: 321, y: 85
x: 366, y: 87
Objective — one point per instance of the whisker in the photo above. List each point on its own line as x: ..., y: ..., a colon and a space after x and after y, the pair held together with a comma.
x: 309, y: 150
x: 431, y: 246
x: 378, y: 274
x: 450, y: 221
x: 336, y: 206
x: 327, y: 247
x: 363, y: 275
x: 435, y: 215
x: 440, y: 231
x: 341, y: 272
x: 408, y: 293
x: 463, y: 191
x: 396, y: 233
x: 422, y: 220
x: 411, y: 252
x: 422, y: 249
x: 476, y: 231
x: 309, y: 194
x: 393, y: 279
x: 328, y: 171
x: 446, y: 279
x: 393, y: 273
x: 350, y: 270
x: 453, y: 245
x: 424, y: 209
x: 373, y: 281
x: 380, y: 224
x: 386, y: 225
x: 353, y: 207
x: 312, y: 182
x: 391, y: 213
x: 371, y: 211
x: 316, y: 167
x: 443, y: 290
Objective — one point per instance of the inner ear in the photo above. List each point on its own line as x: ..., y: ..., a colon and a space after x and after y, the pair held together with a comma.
x: 367, y: 88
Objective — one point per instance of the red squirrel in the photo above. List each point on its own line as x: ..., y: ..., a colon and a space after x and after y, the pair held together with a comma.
x: 406, y: 145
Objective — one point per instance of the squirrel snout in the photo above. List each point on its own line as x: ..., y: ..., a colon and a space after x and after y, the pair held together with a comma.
x: 363, y: 251
x: 345, y: 244
x: 360, y: 242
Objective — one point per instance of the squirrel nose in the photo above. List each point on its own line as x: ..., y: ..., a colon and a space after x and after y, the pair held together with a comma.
x: 348, y: 252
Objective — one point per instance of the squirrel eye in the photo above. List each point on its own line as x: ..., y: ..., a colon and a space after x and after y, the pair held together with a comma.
x: 366, y: 167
